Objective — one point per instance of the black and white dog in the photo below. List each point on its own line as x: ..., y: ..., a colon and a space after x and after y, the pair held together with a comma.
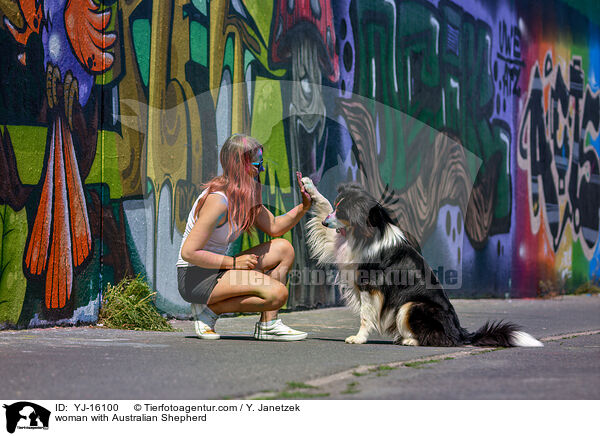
x: 384, y: 277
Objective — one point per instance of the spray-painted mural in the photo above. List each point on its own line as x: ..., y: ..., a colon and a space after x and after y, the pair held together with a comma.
x: 475, y: 122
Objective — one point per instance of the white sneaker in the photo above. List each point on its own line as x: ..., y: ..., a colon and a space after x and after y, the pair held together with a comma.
x: 204, y: 323
x: 277, y: 331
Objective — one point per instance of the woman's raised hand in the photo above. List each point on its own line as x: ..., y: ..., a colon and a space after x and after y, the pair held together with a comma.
x: 246, y: 261
x: 306, y: 198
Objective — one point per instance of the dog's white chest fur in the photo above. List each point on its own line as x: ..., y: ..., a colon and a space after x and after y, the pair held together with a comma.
x: 347, y: 271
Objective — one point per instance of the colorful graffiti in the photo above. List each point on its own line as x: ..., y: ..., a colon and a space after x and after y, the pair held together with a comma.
x: 74, y: 40
x: 564, y: 171
x: 475, y: 123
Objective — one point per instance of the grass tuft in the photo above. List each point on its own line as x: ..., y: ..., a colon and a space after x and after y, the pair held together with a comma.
x: 299, y: 385
x: 292, y: 390
x: 588, y: 288
x: 128, y: 305
x: 379, y: 371
x: 351, y: 388
x: 420, y: 363
x: 294, y: 394
x: 555, y: 286
x: 383, y: 368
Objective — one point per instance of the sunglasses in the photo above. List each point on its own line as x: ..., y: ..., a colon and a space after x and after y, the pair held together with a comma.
x: 259, y: 165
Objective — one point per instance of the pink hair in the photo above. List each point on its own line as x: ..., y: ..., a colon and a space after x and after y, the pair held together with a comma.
x: 242, y: 190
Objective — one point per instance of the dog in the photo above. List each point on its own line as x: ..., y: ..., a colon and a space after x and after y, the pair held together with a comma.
x: 384, y: 277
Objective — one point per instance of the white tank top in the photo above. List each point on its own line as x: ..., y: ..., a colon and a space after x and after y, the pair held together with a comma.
x: 219, y: 242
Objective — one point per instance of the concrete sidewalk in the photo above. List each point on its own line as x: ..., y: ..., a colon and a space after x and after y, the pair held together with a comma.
x: 98, y: 363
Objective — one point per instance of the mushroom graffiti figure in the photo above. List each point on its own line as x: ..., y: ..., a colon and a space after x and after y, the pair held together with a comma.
x: 303, y: 34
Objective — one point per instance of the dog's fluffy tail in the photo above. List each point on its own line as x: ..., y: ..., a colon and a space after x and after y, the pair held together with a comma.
x: 502, y: 334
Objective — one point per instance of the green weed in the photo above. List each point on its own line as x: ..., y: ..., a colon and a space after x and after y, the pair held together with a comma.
x: 299, y: 385
x: 419, y: 364
x: 351, y: 388
x: 295, y: 394
x: 128, y: 305
x: 588, y: 288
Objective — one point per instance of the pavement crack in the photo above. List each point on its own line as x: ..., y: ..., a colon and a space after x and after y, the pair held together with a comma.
x: 569, y: 335
x: 293, y: 390
x: 363, y: 370
x: 418, y: 363
x: 366, y: 369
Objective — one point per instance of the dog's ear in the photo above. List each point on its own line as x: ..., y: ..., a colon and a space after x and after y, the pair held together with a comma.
x: 345, y: 187
x: 360, y: 221
x: 342, y: 188
x: 378, y: 217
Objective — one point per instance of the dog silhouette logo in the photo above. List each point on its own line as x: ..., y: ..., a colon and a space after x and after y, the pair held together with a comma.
x: 26, y: 415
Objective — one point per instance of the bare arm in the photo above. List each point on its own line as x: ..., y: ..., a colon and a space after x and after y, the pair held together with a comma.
x: 212, y: 212
x: 278, y: 226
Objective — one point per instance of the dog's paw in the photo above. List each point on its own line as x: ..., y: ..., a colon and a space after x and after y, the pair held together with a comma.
x: 323, y: 206
x: 310, y: 186
x: 355, y: 340
x: 410, y: 342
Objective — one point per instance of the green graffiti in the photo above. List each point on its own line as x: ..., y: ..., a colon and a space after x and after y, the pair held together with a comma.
x: 140, y: 29
x: 201, y: 5
x: 228, y: 56
x: 13, y: 231
x: 199, y: 43
x: 105, y: 168
x: 29, y: 153
x: 438, y: 71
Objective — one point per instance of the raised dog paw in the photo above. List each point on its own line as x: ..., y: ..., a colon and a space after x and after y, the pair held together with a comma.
x: 309, y: 186
x: 316, y: 196
x: 355, y: 340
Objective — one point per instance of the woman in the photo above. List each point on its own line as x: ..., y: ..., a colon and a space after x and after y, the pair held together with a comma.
x: 214, y: 280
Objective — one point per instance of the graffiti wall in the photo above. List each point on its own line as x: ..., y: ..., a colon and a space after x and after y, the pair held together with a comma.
x: 475, y: 122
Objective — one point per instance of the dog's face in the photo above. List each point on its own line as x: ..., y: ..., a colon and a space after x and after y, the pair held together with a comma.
x: 357, y: 212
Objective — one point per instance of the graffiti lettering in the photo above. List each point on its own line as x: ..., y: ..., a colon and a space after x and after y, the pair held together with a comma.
x: 509, y: 62
x: 564, y: 175
x: 439, y: 71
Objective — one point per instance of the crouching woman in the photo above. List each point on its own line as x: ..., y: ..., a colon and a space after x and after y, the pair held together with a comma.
x: 216, y: 281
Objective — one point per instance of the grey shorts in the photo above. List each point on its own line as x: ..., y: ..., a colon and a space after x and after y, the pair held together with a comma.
x: 196, y: 284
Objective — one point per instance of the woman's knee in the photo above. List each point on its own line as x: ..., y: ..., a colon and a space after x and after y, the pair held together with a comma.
x: 282, y: 294
x: 285, y: 249
x: 277, y: 295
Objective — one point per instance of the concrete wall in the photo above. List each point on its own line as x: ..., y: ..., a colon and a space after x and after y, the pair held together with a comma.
x: 110, y: 122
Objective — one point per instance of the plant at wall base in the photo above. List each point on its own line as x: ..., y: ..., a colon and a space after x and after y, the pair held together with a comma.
x: 128, y: 305
x: 557, y: 286
x: 588, y: 287
x: 553, y: 287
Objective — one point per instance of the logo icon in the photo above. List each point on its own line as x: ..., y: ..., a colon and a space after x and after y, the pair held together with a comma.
x: 26, y: 415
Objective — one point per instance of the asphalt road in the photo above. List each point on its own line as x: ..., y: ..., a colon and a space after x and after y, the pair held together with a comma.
x: 98, y: 363
x: 565, y: 369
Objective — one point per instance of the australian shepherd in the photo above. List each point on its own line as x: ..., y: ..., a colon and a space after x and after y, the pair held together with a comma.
x: 384, y: 277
